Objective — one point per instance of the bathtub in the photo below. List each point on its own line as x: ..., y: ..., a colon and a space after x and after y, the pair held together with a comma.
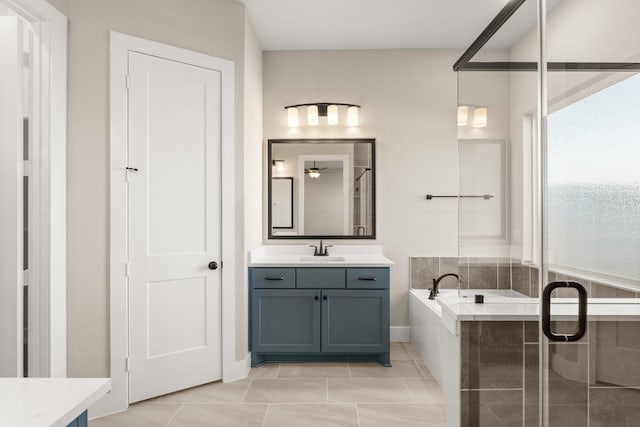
x: 435, y: 335
x: 435, y: 326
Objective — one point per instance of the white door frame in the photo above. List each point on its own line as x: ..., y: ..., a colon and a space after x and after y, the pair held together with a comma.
x: 48, y: 210
x: 121, y: 44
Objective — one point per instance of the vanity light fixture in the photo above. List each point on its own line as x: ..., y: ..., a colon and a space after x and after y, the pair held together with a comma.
x: 474, y: 115
x: 278, y: 164
x: 315, y: 110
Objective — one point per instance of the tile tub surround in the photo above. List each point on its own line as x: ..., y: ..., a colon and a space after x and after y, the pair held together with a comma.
x: 498, y: 344
x: 303, y: 394
x: 475, y: 273
x: 500, y: 273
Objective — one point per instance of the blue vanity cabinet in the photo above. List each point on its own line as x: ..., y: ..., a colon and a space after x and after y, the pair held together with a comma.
x: 285, y: 320
x: 319, y: 314
x: 355, y: 321
x: 81, y: 421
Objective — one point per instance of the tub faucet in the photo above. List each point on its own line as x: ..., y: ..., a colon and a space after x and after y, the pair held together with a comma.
x: 434, y: 290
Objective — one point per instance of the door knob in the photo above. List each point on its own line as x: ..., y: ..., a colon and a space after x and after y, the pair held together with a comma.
x: 213, y: 265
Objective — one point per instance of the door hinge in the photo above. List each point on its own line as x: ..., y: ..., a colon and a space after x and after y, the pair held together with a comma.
x: 127, y: 268
x: 127, y: 364
x: 25, y: 60
x: 26, y: 168
x: 127, y: 81
x: 25, y: 278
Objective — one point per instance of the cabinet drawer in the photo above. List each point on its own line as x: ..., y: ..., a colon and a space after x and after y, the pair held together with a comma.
x: 368, y: 278
x: 273, y: 278
x: 317, y: 278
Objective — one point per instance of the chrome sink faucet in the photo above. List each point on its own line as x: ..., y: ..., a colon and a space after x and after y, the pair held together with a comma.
x: 321, y: 250
x: 433, y: 292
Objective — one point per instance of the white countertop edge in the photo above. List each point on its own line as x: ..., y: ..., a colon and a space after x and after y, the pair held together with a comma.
x: 89, y: 400
x: 347, y: 263
x: 55, y: 402
x: 288, y: 256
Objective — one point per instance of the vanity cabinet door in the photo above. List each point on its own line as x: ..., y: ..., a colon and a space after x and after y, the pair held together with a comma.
x: 285, y: 321
x: 355, y: 321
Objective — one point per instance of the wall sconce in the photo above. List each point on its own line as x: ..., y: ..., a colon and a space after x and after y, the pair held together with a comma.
x: 278, y: 164
x: 474, y: 115
x: 315, y: 110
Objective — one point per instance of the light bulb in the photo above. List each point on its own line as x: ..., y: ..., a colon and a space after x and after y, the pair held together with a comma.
x: 480, y: 117
x: 312, y: 115
x: 332, y: 115
x: 352, y: 116
x: 463, y: 115
x: 292, y: 117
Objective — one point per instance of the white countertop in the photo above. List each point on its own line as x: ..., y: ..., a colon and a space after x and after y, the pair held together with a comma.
x: 42, y: 402
x: 302, y: 256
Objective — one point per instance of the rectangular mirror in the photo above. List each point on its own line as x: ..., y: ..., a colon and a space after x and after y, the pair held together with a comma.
x: 321, y: 188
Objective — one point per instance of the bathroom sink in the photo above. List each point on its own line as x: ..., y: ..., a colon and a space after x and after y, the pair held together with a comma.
x: 321, y: 258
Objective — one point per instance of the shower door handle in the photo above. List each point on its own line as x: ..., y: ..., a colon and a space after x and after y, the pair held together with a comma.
x: 582, y: 311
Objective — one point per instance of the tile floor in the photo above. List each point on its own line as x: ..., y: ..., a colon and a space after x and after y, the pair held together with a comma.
x: 303, y: 394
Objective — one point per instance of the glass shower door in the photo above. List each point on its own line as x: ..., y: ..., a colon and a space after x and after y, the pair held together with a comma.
x: 590, y: 210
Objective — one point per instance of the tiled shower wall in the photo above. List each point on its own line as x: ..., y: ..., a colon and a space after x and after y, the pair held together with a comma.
x: 594, y: 382
x: 498, y: 273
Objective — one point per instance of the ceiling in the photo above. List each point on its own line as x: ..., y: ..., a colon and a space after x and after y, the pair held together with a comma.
x: 382, y: 24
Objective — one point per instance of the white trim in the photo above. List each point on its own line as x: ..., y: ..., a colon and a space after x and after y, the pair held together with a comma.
x: 400, y: 333
x: 121, y: 44
x: 238, y: 369
x: 50, y: 174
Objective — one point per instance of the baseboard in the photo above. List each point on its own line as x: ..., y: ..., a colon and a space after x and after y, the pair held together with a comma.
x: 238, y: 370
x: 107, y: 405
x: 400, y: 334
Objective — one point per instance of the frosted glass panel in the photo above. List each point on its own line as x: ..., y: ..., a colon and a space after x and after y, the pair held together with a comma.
x: 594, y: 182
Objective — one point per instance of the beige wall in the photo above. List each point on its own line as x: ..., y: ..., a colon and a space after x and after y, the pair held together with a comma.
x: 252, y: 176
x: 215, y: 27
x: 408, y: 100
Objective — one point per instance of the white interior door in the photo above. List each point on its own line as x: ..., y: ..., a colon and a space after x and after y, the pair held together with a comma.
x: 174, y: 226
x: 11, y: 214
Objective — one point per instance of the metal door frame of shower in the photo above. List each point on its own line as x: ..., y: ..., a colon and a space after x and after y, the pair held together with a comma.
x: 464, y: 62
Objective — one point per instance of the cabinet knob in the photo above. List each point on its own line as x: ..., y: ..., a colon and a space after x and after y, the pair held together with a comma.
x: 325, y: 297
x: 316, y: 298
